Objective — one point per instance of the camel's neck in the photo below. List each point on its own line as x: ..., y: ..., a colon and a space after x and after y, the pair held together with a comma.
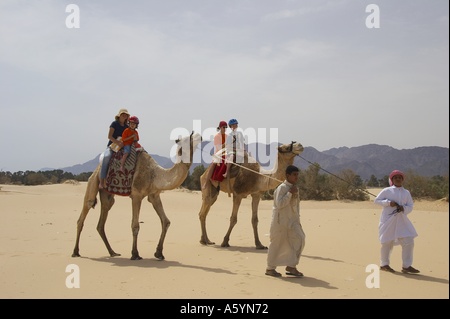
x: 278, y: 172
x: 175, y: 176
x: 149, y: 172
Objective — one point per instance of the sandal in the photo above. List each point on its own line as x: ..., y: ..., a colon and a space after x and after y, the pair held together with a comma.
x: 273, y: 273
x: 387, y: 268
x: 293, y: 272
x: 410, y: 270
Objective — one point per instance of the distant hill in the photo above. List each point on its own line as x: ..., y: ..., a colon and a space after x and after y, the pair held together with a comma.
x: 379, y: 160
x: 366, y: 160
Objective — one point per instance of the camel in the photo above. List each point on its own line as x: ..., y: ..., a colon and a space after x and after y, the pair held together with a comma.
x: 246, y: 179
x: 150, y: 179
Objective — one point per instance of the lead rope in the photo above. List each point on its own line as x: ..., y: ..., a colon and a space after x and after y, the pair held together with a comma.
x: 318, y: 166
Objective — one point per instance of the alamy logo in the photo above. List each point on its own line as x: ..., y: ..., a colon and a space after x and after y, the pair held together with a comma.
x: 73, y: 19
x: 373, y: 280
x: 73, y: 280
x: 252, y: 136
x: 373, y: 19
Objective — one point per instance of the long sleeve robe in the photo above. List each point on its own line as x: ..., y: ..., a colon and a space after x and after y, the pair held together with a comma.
x: 287, y: 238
x: 395, y: 225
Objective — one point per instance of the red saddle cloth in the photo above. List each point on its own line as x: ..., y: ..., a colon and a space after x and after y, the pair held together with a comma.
x: 119, y: 182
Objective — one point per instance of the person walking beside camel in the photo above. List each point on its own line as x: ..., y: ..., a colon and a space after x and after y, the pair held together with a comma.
x: 287, y: 238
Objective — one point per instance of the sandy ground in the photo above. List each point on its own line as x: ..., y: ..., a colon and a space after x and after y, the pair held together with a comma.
x: 38, y: 229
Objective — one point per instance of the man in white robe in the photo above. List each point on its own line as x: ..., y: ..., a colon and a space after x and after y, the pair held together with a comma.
x: 395, y: 228
x: 287, y: 238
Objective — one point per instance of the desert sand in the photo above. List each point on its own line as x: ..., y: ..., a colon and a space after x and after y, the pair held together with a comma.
x: 38, y: 229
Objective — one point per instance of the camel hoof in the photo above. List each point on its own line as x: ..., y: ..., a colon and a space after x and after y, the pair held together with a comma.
x: 261, y: 247
x: 113, y: 254
x: 159, y: 256
x: 207, y: 242
x: 137, y: 257
x: 76, y: 255
x: 225, y: 245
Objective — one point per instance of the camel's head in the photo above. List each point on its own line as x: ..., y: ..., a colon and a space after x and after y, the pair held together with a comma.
x: 291, y: 148
x: 186, y: 147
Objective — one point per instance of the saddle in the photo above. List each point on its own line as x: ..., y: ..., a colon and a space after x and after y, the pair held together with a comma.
x: 119, y: 182
x: 235, y: 168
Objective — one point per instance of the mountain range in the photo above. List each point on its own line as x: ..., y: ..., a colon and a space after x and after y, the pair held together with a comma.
x: 365, y: 161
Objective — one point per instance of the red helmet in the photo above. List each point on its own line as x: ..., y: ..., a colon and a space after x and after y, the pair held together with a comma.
x: 134, y: 119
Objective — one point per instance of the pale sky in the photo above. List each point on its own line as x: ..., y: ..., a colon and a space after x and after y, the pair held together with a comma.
x: 311, y: 69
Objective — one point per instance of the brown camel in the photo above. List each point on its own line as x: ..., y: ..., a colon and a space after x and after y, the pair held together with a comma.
x: 246, y: 179
x: 149, y: 180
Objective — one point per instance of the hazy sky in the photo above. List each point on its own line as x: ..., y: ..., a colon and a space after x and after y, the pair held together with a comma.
x: 312, y: 70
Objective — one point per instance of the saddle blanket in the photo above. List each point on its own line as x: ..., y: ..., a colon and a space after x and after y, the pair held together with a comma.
x: 119, y: 182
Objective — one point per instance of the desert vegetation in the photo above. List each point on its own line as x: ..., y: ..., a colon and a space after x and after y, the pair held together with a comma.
x: 314, y: 183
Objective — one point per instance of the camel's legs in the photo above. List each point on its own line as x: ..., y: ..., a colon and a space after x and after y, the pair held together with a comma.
x: 80, y: 223
x: 90, y: 201
x: 107, y: 201
x: 165, y: 223
x: 233, y: 220
x: 209, y: 197
x: 136, y: 208
x: 255, y: 203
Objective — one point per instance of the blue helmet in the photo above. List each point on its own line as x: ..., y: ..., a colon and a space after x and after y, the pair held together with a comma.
x: 232, y: 121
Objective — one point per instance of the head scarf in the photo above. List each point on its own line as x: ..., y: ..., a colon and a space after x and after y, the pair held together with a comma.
x: 395, y: 172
